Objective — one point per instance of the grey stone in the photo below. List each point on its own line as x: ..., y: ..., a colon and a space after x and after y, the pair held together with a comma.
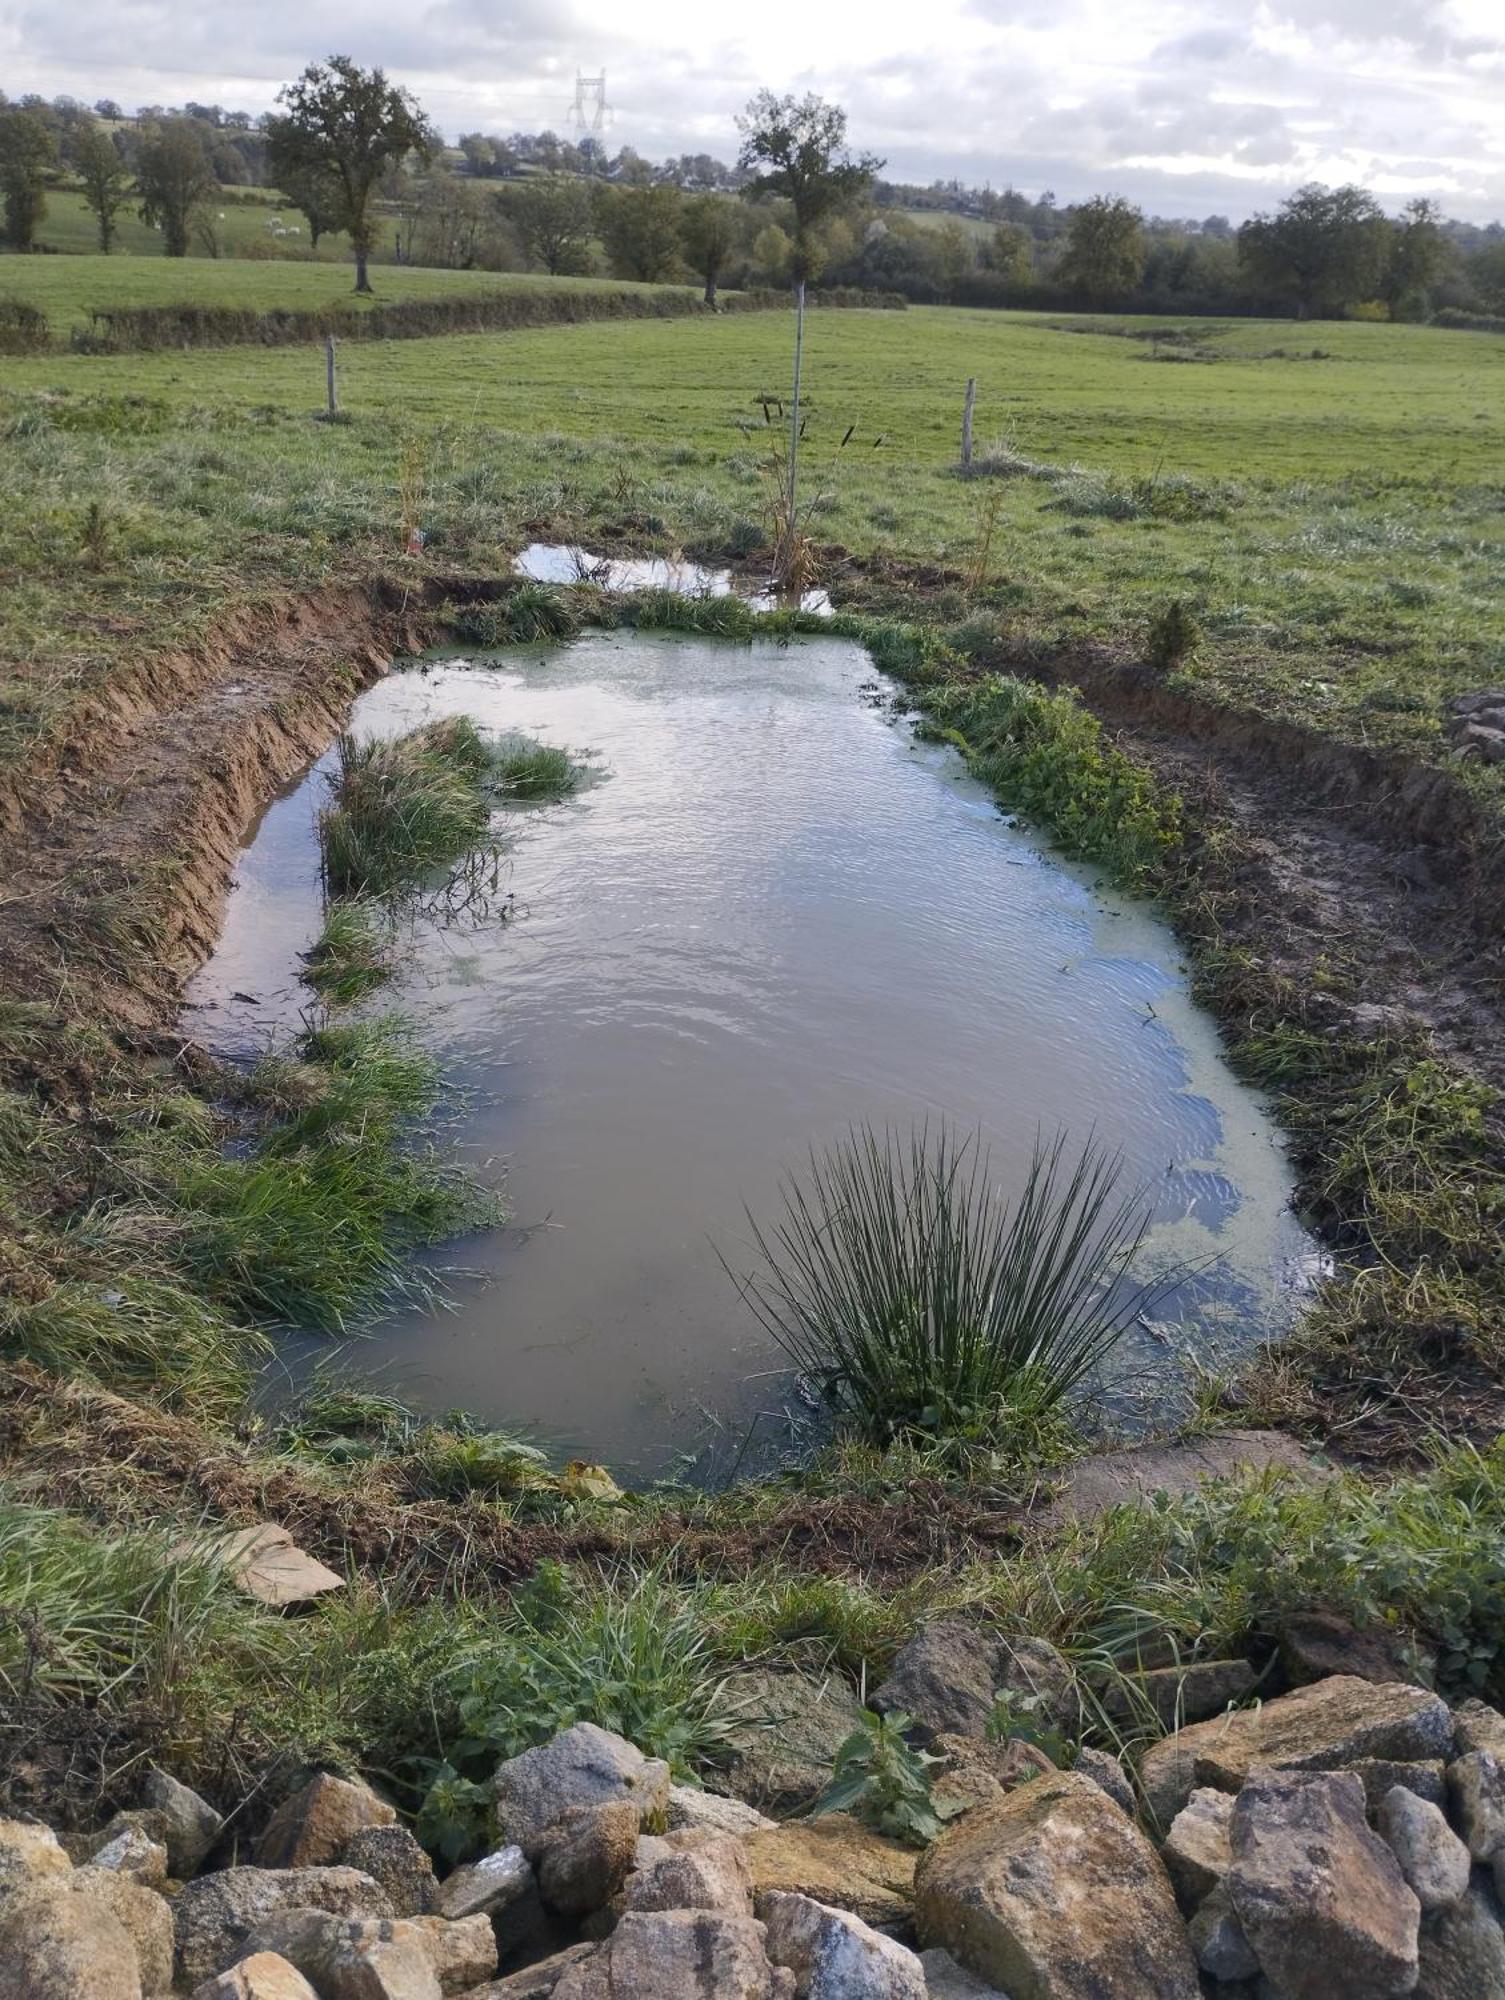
x: 1462, y: 1952
x: 785, y: 1731
x: 1034, y: 1671
x: 58, y: 1946
x: 1320, y: 1897
x: 215, y: 1914
x: 536, y: 1982
x: 1315, y: 1644
x: 1479, y: 1727
x: 391, y: 1856
x: 713, y: 1874
x: 389, y: 1968
x: 675, y: 1955
x: 1429, y: 1780
x: 132, y: 1853
x: 945, y: 1679
x: 28, y: 1854
x: 1217, y: 1937
x: 945, y: 1979
x: 193, y: 1826
x: 584, y: 1857
x: 583, y: 1766
x: 142, y: 1914
x: 309, y: 1829
x: 689, y: 1807
x: 459, y: 1954
x: 1197, y: 1850
x: 1478, y: 740
x: 484, y: 1887
x: 1432, y: 1858
x: 834, y: 1955
x: 1107, y: 1772
x: 1128, y: 1478
x: 1180, y: 1695
x: 1476, y: 1785
x: 264, y: 1977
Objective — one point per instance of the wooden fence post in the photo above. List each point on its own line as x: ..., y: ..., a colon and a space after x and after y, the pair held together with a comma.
x: 968, y: 402
x: 333, y: 396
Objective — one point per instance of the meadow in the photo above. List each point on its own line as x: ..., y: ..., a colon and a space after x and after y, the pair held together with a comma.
x: 1326, y: 500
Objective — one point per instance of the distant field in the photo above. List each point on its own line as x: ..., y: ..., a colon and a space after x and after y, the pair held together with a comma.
x: 69, y: 289
x: 1337, y: 524
x: 932, y: 218
x: 68, y: 226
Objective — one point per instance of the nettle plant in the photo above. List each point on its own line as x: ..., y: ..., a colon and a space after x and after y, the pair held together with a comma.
x: 882, y: 1778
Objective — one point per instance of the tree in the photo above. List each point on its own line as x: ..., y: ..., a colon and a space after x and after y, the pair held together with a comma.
x: 1325, y: 247
x: 319, y: 197
x: 174, y: 178
x: 1419, y: 255
x: 554, y: 219
x: 106, y: 179
x: 351, y: 123
x: 711, y: 233
x: 1105, y: 249
x: 27, y: 150
x: 1012, y: 253
x: 640, y: 230
x: 796, y: 148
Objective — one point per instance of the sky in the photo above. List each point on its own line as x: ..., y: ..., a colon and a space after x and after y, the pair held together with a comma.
x: 1189, y: 109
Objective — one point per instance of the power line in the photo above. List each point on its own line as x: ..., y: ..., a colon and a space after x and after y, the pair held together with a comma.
x: 590, y: 110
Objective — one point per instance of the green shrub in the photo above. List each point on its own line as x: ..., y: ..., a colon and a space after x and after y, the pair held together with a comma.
x: 1173, y: 639
x: 526, y: 769
x: 405, y: 807
x: 880, y: 1778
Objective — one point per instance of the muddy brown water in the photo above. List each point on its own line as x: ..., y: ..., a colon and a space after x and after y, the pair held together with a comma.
x: 771, y: 913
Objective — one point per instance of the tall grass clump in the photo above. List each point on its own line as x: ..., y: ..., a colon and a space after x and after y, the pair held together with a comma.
x: 527, y: 770
x: 919, y: 1303
x: 352, y: 956
x: 405, y: 806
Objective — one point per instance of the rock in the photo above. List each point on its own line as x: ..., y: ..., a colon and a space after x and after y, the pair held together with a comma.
x: 714, y: 1874
x: 134, y: 1854
x: 536, y: 1982
x: 1478, y: 740
x: 142, y: 1914
x: 1315, y: 1644
x: 192, y: 1824
x: 1476, y: 1785
x: 459, y: 1954
x: 309, y: 1829
x: 974, y: 1773
x: 1322, y: 1899
x: 1431, y: 1856
x: 28, y: 1854
x: 691, y: 1808
x: 945, y: 1679
x: 1324, y: 1727
x: 58, y: 1946
x: 1177, y: 1696
x: 946, y: 1980
x: 834, y: 1955
x: 837, y: 1860
x: 1037, y: 1676
x: 263, y: 1977
x: 1217, y: 1938
x: 584, y: 1857
x: 1128, y: 1478
x: 674, y: 1955
x: 481, y: 1888
x: 1197, y: 1851
x: 784, y: 1736
x: 215, y: 1914
x: 1477, y: 1726
x: 1378, y: 1775
x: 267, y: 1564
x: 1108, y: 1773
x: 462, y: 1953
x: 1053, y: 1894
x: 389, y: 1968
x: 391, y: 1856
x: 585, y: 1766
x: 1463, y: 1951
x: 1480, y: 702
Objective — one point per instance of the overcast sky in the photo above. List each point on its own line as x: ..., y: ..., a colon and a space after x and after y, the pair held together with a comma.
x: 1188, y: 106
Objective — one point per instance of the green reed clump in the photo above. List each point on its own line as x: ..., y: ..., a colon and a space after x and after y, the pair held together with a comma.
x: 526, y: 769
x: 405, y: 806
x: 352, y: 956
x: 918, y: 1302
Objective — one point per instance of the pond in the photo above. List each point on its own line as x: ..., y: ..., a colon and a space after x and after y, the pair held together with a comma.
x: 771, y: 913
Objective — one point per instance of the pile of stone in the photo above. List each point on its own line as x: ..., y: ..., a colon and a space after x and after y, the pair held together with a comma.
x: 1342, y: 1841
x: 1476, y: 725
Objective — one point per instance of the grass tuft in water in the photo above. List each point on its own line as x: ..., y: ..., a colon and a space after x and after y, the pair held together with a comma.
x: 404, y: 807
x: 919, y: 1303
x: 527, y: 770
x: 352, y: 956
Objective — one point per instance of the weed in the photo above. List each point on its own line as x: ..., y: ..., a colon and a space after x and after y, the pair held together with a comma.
x: 353, y: 954
x: 1174, y: 638
x: 883, y: 1780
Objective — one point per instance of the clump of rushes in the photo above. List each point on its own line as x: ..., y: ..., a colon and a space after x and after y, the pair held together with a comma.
x: 351, y: 957
x: 526, y: 769
x: 919, y: 1304
x: 405, y: 806
x: 531, y: 612
x: 1173, y: 638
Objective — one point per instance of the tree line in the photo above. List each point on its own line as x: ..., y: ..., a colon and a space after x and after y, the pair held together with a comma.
x: 354, y: 152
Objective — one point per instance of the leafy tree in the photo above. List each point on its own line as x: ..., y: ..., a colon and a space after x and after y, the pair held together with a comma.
x: 1485, y: 270
x: 772, y: 254
x: 351, y: 123
x: 318, y: 195
x: 710, y: 233
x: 106, y: 179
x: 1325, y: 247
x: 27, y: 150
x: 640, y: 229
x: 175, y: 179
x: 954, y: 255
x: 1419, y: 255
x: 1011, y: 253
x: 1105, y: 249
x: 554, y: 219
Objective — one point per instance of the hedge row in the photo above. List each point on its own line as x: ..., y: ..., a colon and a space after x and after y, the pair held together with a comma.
x: 23, y: 329
x: 148, y: 329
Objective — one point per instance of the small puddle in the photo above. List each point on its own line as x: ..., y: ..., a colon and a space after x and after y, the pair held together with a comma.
x: 773, y: 914
x: 562, y: 562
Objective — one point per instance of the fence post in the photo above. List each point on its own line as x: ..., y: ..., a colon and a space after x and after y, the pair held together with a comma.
x: 967, y: 403
x: 333, y: 397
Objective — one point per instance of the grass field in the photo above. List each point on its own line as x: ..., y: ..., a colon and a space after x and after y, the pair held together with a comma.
x: 70, y: 289
x: 1335, y: 523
